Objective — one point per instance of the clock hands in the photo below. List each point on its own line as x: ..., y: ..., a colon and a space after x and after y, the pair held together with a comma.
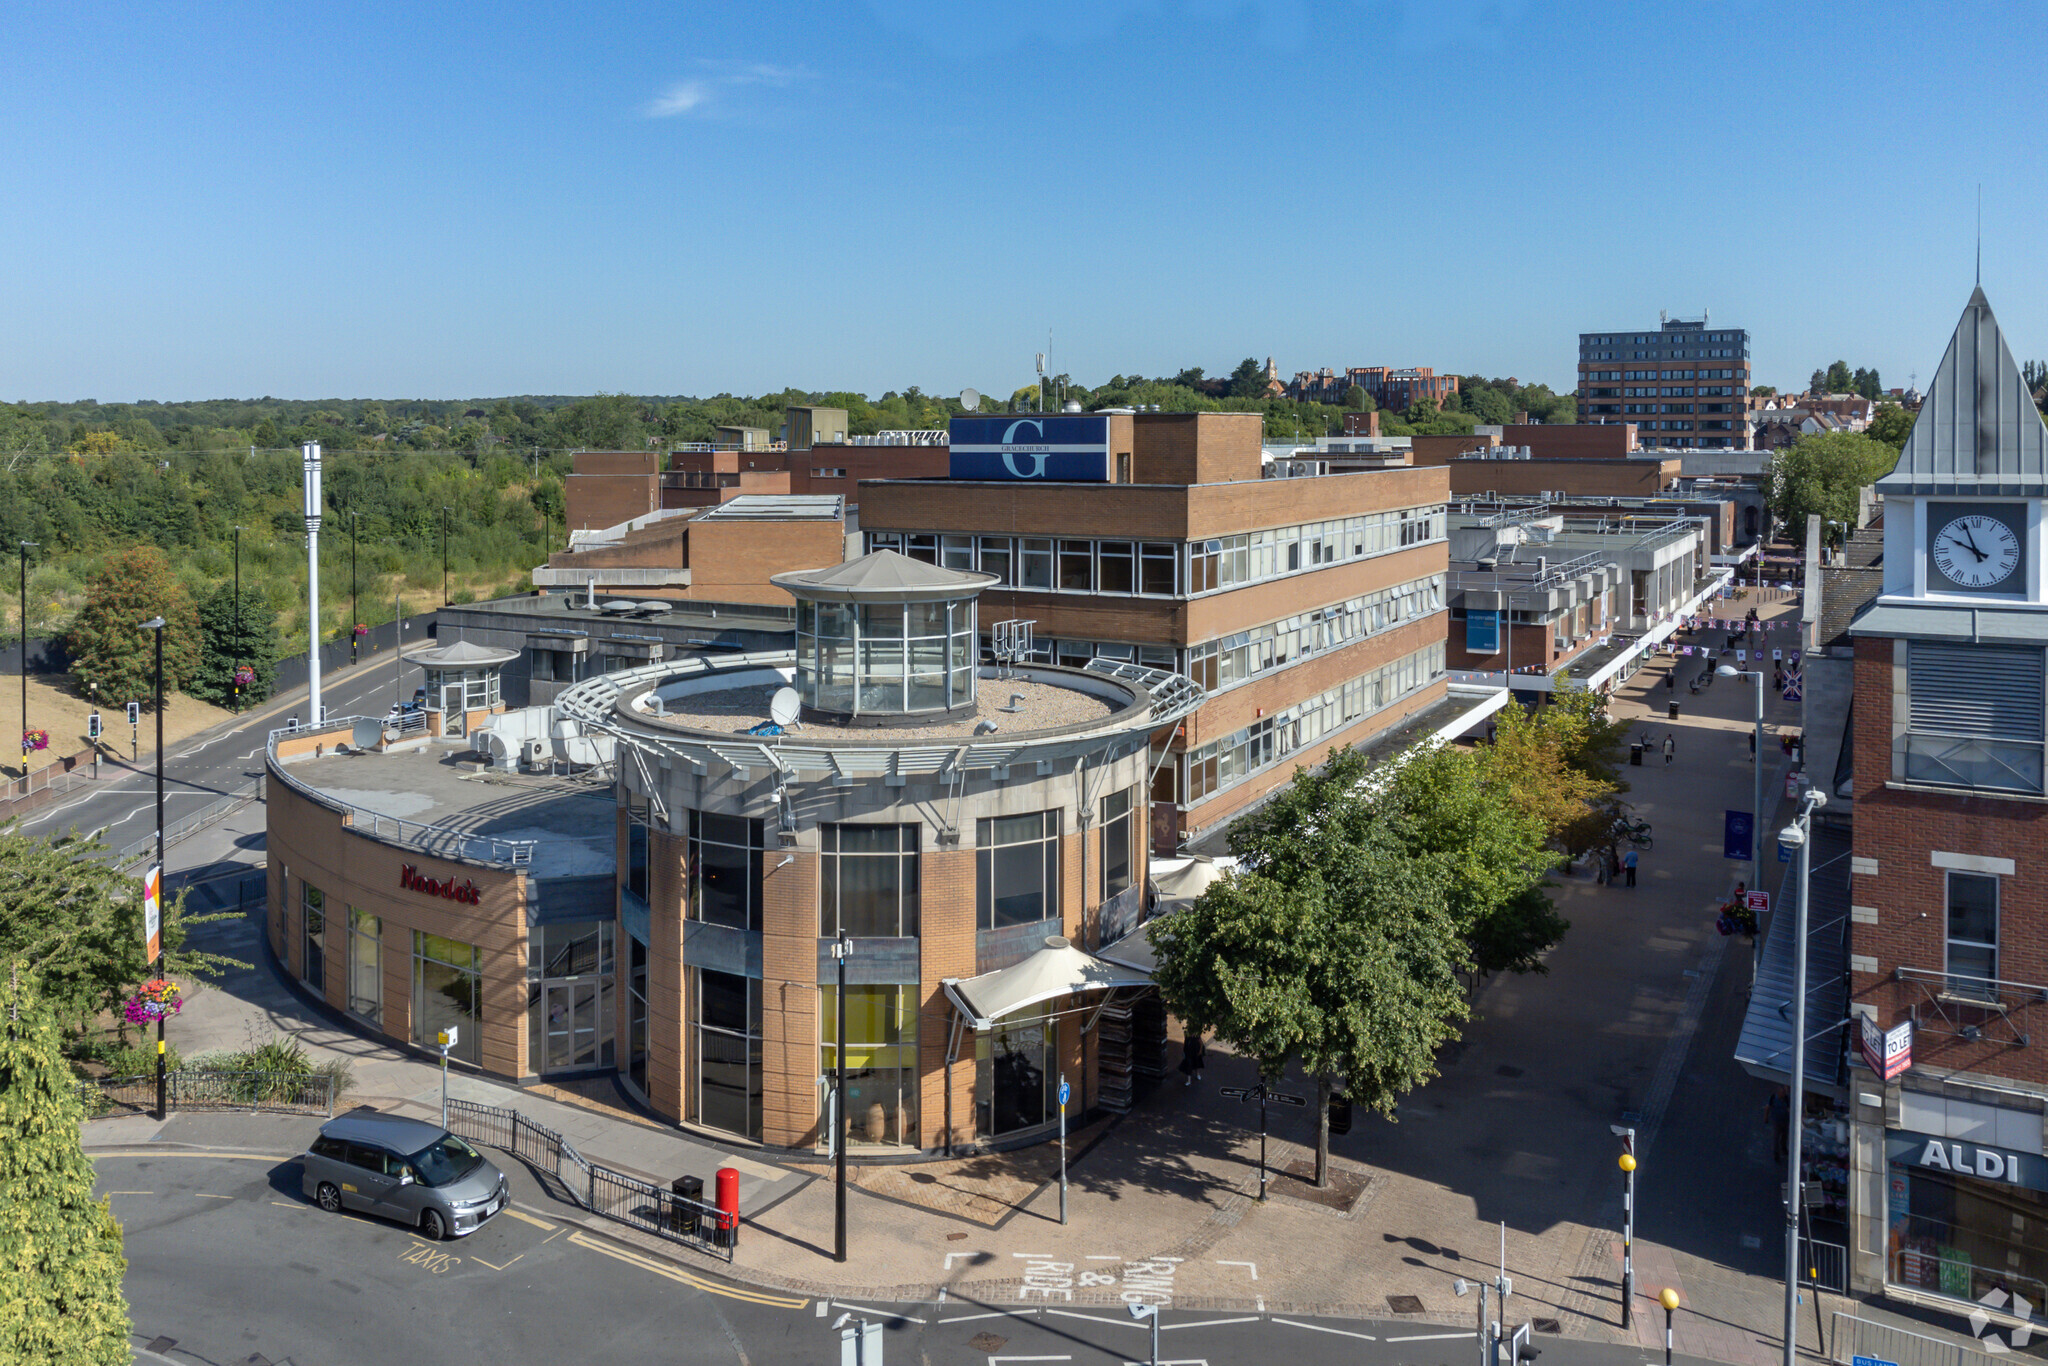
x: 1981, y: 556
x: 1971, y: 547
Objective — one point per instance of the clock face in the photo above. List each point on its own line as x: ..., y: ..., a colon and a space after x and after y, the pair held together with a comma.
x: 1975, y: 551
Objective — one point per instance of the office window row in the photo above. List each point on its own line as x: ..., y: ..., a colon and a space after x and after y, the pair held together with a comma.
x: 1045, y: 563
x: 1228, y: 561
x: 1223, y: 663
x: 1269, y: 740
x: 1075, y: 654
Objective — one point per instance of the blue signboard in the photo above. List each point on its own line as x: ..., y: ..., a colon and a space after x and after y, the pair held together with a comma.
x: 1065, y: 1092
x: 1735, y: 828
x: 1482, y: 632
x: 1053, y: 447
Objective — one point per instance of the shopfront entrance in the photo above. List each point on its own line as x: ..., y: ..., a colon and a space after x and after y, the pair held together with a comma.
x: 1965, y: 1219
x: 572, y: 1035
x: 569, y: 998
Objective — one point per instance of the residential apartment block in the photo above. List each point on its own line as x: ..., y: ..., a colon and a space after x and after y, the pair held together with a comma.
x: 1685, y: 384
x: 1387, y: 386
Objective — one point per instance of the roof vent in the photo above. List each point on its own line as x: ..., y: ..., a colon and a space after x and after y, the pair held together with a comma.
x: 1056, y: 941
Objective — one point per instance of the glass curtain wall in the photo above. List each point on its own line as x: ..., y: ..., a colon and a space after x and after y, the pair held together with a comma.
x: 725, y: 870
x: 1118, y: 825
x: 1016, y: 1069
x: 313, y: 919
x: 1017, y: 869
x: 870, y: 881
x: 447, y: 989
x: 365, y: 965
x: 886, y: 658
x: 881, y: 1061
x: 727, y: 1052
x: 569, y: 997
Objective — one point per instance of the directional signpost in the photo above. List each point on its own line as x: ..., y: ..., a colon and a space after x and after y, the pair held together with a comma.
x: 1065, y: 1091
x: 1263, y: 1097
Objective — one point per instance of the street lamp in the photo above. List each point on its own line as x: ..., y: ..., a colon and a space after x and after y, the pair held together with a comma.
x: 1756, y: 753
x: 842, y: 949
x: 311, y: 452
x: 26, y: 546
x: 445, y: 510
x: 237, y: 680
x: 355, y: 526
x: 1797, y: 835
x: 156, y: 624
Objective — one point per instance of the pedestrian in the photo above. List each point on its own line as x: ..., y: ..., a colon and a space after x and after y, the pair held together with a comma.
x: 1613, y: 866
x: 1191, y: 1051
x: 1670, y: 747
x: 1629, y: 864
x: 1671, y: 679
x: 1779, y: 1108
x: 1752, y: 746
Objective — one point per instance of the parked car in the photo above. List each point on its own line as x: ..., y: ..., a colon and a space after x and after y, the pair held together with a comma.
x: 404, y: 1169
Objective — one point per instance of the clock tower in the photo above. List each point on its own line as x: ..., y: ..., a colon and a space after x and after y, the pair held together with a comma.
x: 1948, y: 878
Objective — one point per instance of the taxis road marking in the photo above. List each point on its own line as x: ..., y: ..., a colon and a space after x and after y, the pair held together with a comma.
x: 677, y: 1274
x: 131, y: 1192
x: 493, y: 1265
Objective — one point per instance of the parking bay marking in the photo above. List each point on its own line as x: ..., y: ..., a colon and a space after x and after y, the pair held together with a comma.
x: 1319, y: 1328
x: 677, y: 1274
x: 1430, y: 1337
x: 525, y: 1218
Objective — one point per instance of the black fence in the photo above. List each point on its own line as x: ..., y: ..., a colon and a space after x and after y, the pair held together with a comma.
x: 280, y: 1092
x: 44, y: 656
x: 334, y: 654
x: 615, y: 1195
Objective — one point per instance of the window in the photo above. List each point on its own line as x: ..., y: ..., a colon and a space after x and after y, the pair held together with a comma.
x: 1975, y: 716
x: 1076, y: 566
x: 995, y: 558
x: 447, y: 989
x: 365, y: 965
x: 1158, y: 561
x: 870, y: 881
x: 727, y: 1031
x: 637, y: 820
x: 569, y: 996
x: 956, y: 552
x: 1016, y: 1066
x: 881, y: 1060
x: 1118, y: 568
x: 1972, y: 934
x: 725, y: 870
x: 313, y: 917
x: 1118, y: 827
x: 1017, y: 869
x: 636, y: 1015
x: 1036, y: 563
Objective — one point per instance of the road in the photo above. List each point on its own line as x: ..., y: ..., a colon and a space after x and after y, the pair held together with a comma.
x: 207, y: 767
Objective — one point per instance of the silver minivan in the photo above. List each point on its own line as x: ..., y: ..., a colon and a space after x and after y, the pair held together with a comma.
x: 403, y: 1169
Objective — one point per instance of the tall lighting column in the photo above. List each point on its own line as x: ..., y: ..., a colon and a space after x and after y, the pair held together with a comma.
x: 842, y: 949
x: 311, y: 452
x: 26, y: 546
x: 237, y: 683
x: 1798, y: 835
x: 1756, y: 778
x: 156, y: 624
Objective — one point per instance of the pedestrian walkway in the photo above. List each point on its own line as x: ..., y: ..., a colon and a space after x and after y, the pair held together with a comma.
x: 1632, y: 1024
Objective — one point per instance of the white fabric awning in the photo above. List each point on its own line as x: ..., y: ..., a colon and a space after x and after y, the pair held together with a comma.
x: 1184, y: 879
x: 1058, y: 969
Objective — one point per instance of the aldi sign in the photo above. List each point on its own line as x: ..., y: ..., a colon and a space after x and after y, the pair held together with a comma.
x: 1047, y: 447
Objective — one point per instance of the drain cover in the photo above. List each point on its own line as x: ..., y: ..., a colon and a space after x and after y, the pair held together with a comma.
x: 1405, y: 1304
x: 986, y: 1342
x: 1507, y: 1071
x: 955, y: 1237
x: 160, y: 1344
x: 1546, y: 1325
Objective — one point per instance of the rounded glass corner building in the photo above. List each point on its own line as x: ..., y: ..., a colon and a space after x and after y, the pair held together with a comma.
x: 970, y: 850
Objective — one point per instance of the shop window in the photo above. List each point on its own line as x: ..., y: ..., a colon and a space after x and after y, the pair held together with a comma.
x: 870, y: 881
x: 881, y: 1060
x: 1017, y: 869
x: 1972, y: 934
x: 365, y: 965
x: 1118, y: 826
x: 313, y: 920
x: 1016, y: 1070
x: 447, y: 989
x: 725, y: 870
x: 727, y: 1031
x: 1968, y: 1230
x: 636, y: 1015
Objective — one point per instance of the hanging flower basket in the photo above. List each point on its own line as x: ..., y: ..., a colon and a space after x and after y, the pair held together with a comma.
x: 361, y: 629
x: 154, y: 1000
x: 32, y: 740
x: 244, y: 675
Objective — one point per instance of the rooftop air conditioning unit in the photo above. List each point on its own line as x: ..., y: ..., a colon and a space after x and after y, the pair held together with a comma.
x: 534, y: 755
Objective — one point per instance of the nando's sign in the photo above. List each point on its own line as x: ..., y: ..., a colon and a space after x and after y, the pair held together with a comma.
x: 447, y: 888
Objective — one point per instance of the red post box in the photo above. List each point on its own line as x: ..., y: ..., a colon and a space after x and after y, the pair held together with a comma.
x: 728, y: 1206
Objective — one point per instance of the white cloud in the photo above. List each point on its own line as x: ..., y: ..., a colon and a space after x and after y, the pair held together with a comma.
x: 701, y: 94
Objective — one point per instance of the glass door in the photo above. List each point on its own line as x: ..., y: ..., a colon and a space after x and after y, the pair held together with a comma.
x: 572, y: 1032
x: 452, y: 715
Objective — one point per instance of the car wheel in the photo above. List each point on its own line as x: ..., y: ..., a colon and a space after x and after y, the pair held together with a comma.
x: 432, y: 1226
x: 329, y: 1197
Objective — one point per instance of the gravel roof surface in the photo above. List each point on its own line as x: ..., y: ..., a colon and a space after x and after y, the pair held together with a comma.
x: 1045, y: 706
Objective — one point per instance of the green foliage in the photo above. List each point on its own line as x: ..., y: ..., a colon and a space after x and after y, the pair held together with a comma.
x: 280, y: 1059
x: 1823, y: 472
x: 1496, y: 401
x: 1248, y: 380
x: 1838, y: 379
x: 229, y: 638
x: 1517, y: 935
x: 60, y: 1249
x: 1763, y: 390
x: 109, y: 649
x: 1891, y: 424
x: 1357, y: 400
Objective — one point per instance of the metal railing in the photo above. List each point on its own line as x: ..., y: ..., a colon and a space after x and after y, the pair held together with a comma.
x: 1826, y: 1265
x: 1858, y: 1337
x: 140, y: 851
x: 186, y: 1089
x: 614, y: 1195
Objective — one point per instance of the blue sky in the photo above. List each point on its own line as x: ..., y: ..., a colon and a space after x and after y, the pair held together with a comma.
x: 436, y: 201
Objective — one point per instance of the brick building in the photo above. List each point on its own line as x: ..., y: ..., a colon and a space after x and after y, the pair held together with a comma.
x: 1685, y: 385
x: 1396, y: 387
x: 722, y: 553
x: 1948, y: 934
x: 1311, y: 609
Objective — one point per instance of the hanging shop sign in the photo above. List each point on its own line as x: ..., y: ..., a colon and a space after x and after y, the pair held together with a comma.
x: 1887, y: 1052
x: 1961, y: 1157
x: 449, y: 889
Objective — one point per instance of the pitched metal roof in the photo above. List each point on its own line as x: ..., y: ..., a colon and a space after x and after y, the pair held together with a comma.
x: 1978, y: 431
x: 884, y: 575
x: 462, y: 653
x: 1765, y: 1046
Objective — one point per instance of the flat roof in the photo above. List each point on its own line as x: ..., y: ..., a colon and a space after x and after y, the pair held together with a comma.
x: 777, y: 507
x: 1040, y: 706
x: 570, y: 821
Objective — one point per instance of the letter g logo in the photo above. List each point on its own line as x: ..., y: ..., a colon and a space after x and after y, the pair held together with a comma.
x: 1038, y: 458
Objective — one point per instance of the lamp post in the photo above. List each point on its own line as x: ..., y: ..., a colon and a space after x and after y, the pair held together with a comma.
x: 26, y: 546
x: 1797, y: 835
x: 1628, y: 1219
x: 445, y: 510
x: 156, y: 624
x: 1756, y: 758
x: 842, y: 949
x: 355, y: 527
x: 237, y: 681
x: 311, y: 452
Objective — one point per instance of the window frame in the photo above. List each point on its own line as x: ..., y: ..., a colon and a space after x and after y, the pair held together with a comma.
x: 831, y: 875
x: 985, y: 859
x: 1975, y: 947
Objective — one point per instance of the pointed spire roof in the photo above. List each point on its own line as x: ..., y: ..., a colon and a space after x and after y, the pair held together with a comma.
x: 1978, y: 431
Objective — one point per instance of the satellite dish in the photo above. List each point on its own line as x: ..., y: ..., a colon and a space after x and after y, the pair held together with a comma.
x: 783, y: 707
x: 367, y: 734
x: 970, y: 399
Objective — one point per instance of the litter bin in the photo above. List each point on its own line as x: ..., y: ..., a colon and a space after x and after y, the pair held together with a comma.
x: 1671, y: 708
x: 690, y: 1188
x: 1635, y: 754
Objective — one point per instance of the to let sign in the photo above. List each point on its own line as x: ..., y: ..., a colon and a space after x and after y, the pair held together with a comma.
x: 1888, y: 1052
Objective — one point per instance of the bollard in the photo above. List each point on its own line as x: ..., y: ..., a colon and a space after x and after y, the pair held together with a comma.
x: 728, y: 1207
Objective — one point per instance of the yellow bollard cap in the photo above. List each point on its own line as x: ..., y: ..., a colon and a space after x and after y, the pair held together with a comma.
x: 1669, y: 1299
x: 1628, y: 1162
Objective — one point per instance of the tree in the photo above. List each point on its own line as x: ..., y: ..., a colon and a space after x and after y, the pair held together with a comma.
x: 1190, y: 378
x: 1866, y: 383
x: 1357, y: 400
x: 1823, y: 472
x: 228, y: 639
x: 1891, y: 424
x: 1817, y: 383
x: 107, y: 644
x: 1839, y: 380
x: 60, y: 1249
x: 1333, y: 946
x: 1763, y: 390
x: 1561, y: 765
x: 1248, y: 380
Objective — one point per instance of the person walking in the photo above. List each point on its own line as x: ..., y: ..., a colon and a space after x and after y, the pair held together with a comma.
x: 1613, y: 866
x: 1670, y: 747
x: 1191, y: 1055
x: 1778, y: 1108
x: 1671, y: 678
x: 1628, y: 864
x: 1752, y: 746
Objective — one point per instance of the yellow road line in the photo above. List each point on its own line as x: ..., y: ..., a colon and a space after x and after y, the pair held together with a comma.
x: 162, y: 1152
x: 677, y: 1274
x: 131, y: 1192
x: 493, y: 1265
x: 529, y: 1219
x: 204, y: 1196
x: 288, y: 1204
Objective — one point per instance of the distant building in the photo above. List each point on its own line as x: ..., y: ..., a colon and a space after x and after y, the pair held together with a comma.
x: 1387, y: 387
x: 1684, y: 385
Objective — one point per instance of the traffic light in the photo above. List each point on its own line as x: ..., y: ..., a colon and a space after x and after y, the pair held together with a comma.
x: 134, y: 713
x: 92, y: 726
x: 1340, y: 1114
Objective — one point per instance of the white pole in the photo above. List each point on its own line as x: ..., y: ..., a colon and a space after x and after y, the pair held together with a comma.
x: 311, y: 452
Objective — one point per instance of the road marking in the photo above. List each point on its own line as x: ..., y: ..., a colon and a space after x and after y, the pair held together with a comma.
x: 951, y: 1255
x: 677, y: 1274
x: 992, y: 1314
x: 165, y: 1152
x: 1033, y: 1256
x: 1430, y: 1337
x: 1094, y: 1318
x: 525, y: 1218
x: 1341, y: 1332
x: 1262, y: 1304
x: 274, y: 1202
x: 1254, y: 1266
x: 1101, y: 1257
x: 430, y: 1257
x: 878, y: 1313
x: 822, y: 1307
x: 1211, y: 1323
x: 993, y: 1360
x: 286, y: 1204
x: 204, y: 1196
x: 493, y: 1265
